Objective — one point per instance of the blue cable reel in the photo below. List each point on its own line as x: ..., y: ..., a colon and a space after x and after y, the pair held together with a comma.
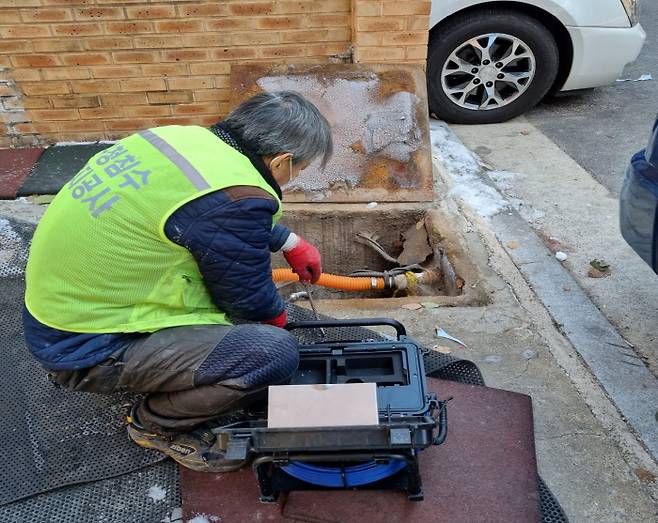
x: 342, y: 477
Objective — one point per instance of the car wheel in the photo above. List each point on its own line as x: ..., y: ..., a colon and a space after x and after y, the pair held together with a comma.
x: 489, y: 66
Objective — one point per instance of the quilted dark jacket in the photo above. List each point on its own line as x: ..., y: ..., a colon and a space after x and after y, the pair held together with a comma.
x: 230, y: 235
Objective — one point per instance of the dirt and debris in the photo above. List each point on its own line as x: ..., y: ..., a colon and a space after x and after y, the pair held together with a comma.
x: 416, y: 248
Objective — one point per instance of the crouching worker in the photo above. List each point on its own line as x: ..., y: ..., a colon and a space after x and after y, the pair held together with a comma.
x: 141, y: 260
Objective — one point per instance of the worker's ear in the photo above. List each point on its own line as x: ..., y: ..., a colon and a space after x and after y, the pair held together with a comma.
x: 279, y: 162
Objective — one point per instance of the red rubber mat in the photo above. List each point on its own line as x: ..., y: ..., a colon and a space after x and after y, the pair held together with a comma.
x: 485, y: 472
x: 15, y: 167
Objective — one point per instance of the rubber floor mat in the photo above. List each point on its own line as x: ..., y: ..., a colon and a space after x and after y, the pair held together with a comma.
x: 57, y: 165
x: 437, y: 365
x: 50, y: 437
x: 145, y: 496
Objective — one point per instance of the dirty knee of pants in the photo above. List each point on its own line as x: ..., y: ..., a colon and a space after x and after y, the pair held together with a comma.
x: 250, y: 356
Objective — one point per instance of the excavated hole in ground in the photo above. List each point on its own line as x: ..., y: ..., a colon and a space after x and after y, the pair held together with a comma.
x: 334, y: 233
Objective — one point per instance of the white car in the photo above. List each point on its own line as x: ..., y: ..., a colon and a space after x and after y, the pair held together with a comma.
x: 489, y: 61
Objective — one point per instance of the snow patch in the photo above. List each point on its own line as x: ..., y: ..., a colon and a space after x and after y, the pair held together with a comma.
x: 204, y: 518
x: 157, y: 493
x: 100, y: 142
x: 13, y: 254
x: 465, y: 170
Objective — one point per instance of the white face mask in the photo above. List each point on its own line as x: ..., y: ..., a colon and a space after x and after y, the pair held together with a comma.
x: 289, y: 167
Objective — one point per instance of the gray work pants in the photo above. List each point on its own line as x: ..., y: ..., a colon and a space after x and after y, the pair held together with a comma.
x: 192, y: 374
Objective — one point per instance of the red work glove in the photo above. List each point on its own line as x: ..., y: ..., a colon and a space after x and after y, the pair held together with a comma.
x: 279, y: 321
x: 304, y: 259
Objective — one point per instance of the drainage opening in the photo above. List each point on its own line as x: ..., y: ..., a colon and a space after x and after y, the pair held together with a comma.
x: 400, y: 245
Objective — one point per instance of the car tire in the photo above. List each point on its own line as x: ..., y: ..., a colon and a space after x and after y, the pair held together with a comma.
x: 506, y: 27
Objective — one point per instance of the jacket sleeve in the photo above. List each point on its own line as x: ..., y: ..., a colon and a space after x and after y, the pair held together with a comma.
x: 229, y: 233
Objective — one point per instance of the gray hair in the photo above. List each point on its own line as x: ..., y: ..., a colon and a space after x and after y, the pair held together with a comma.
x: 282, y: 122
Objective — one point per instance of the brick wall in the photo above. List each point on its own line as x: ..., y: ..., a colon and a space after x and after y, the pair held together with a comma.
x: 100, y: 69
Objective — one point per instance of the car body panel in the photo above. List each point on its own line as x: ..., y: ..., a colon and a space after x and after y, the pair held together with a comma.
x: 602, y: 38
x: 601, y: 53
x: 581, y: 13
x: 638, y: 209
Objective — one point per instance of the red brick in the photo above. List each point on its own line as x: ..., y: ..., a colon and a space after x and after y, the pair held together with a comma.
x: 75, y: 101
x: 380, y: 54
x: 122, y: 100
x: 66, y: 73
x: 257, y: 38
x: 169, y: 97
x: 197, y: 108
x: 251, y: 8
x: 179, y: 26
x: 135, y: 57
x: 86, y: 59
x: 175, y: 120
x: 282, y: 22
x: 327, y: 20
x: 408, y: 7
x: 24, y: 31
x: 143, y: 84
x: 148, y: 111
x: 53, y: 45
x: 81, y: 125
x: 320, y: 35
x: 10, y: 16
x: 129, y: 124
x: 100, y: 112
x: 94, y: 86
x: 46, y: 15
x: 76, y: 29
x: 117, y: 71
x: 191, y: 83
x: 210, y: 68
x: 128, y: 27
x: 277, y: 52
x: 41, y: 88
x: 30, y: 102
x: 99, y: 13
x: 15, y: 46
x: 54, y: 114
x: 380, y: 24
x: 151, y: 11
x: 223, y: 24
x: 368, y: 39
x: 159, y: 42
x: 416, y: 52
x: 170, y: 69
x: 330, y: 49
x: 8, y: 90
x: 407, y: 38
x: 206, y: 40
x: 203, y: 10
x: 212, y: 94
x: 116, y: 42
x: 185, y: 55
x: 232, y: 53
x: 368, y: 8
x: 26, y: 75
x: 418, y: 23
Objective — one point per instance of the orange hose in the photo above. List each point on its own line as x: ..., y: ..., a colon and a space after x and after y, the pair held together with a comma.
x: 344, y: 283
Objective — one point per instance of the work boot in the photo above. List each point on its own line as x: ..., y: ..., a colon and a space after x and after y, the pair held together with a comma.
x: 198, y: 449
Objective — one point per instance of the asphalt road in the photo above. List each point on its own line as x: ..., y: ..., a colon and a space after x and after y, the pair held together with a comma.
x: 602, y: 128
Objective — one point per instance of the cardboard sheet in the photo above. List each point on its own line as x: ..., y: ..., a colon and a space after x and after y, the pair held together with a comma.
x: 339, y: 405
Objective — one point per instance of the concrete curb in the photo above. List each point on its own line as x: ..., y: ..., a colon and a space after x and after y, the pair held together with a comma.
x: 620, y: 372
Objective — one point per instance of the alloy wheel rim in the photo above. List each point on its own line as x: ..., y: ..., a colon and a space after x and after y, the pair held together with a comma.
x: 488, y: 72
